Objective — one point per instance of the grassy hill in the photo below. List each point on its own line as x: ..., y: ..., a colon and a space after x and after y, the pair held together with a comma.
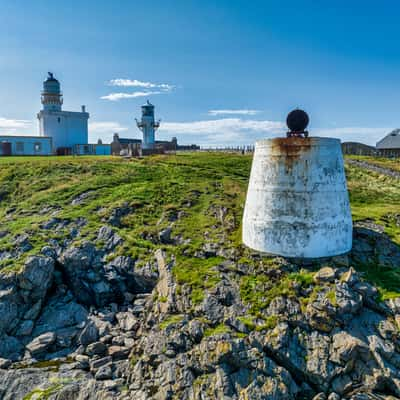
x: 155, y: 189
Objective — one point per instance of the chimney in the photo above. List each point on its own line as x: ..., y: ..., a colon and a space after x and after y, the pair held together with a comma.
x: 83, y: 109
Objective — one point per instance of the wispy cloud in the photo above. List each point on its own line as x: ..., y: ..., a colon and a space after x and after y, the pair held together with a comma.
x: 136, y: 83
x: 233, y: 112
x: 119, y: 96
x: 12, y: 125
x: 150, y: 89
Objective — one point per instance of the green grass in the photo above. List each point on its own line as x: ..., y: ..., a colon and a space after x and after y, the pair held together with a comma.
x: 173, y: 319
x: 391, y: 163
x: 199, y: 184
x: 199, y: 274
x: 217, y: 330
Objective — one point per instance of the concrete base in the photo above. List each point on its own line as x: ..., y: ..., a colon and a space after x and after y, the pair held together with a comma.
x: 297, y: 201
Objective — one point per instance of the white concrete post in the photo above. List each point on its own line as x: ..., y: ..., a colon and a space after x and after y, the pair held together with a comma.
x: 297, y: 201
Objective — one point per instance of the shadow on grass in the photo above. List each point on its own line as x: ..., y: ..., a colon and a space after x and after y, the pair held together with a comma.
x: 377, y: 257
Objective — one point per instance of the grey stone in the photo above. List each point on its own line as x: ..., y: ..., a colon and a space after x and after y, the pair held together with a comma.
x: 104, y: 372
x: 325, y: 274
x: 41, y: 343
x: 37, y: 276
x: 10, y: 347
x: 25, y: 329
x: 96, y: 364
x: 165, y: 235
x: 96, y: 348
x: 5, y: 363
x: 89, y: 334
x: 118, y: 352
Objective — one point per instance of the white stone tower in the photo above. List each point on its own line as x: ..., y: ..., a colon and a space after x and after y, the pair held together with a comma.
x: 297, y: 201
x: 66, y: 128
x: 148, y: 125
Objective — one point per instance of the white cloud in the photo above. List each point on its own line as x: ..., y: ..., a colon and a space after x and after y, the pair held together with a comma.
x: 238, y: 131
x: 136, y: 83
x: 12, y: 125
x: 353, y: 134
x: 104, y: 130
x: 158, y: 88
x: 119, y: 96
x: 102, y: 127
x: 223, y: 132
x: 233, y: 112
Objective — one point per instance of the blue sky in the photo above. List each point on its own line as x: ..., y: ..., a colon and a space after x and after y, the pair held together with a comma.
x: 219, y: 72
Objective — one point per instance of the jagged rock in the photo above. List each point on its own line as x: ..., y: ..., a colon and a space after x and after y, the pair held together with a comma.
x: 10, y: 347
x: 118, y: 213
x: 34, y: 311
x: 21, y: 242
x: 5, y: 363
x: 96, y: 364
x: 346, y: 348
x: 110, y: 239
x: 104, y: 372
x: 127, y: 321
x: 36, y: 276
x: 49, y: 251
x: 325, y: 274
x: 165, y: 236
x: 96, y: 348
x: 58, y: 314
x: 41, y: 343
x: 118, y: 352
x: 80, y: 199
x: 89, y: 334
x: 9, y: 309
x: 25, y: 329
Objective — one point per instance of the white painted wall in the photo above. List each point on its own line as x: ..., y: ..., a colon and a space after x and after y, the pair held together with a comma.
x: 64, y: 127
x: 297, y: 202
x: 28, y: 145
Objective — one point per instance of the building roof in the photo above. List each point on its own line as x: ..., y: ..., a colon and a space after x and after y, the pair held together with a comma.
x: 390, y: 141
x: 25, y: 136
x: 128, y: 140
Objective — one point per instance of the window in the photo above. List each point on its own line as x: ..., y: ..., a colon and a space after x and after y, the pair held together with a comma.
x: 37, y: 147
x: 19, y: 147
x: 59, y: 119
x: 86, y: 149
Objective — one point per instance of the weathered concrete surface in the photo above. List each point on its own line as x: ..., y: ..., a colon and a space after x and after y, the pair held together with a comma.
x: 297, y: 201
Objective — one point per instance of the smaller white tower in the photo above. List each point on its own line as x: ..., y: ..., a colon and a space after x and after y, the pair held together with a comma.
x: 148, y: 125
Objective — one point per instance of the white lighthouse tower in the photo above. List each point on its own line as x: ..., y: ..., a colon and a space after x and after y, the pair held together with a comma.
x: 148, y: 126
x: 68, y: 130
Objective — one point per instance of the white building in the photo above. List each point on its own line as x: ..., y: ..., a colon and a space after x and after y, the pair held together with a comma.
x: 389, y: 146
x: 66, y: 128
x: 25, y: 145
x: 60, y: 132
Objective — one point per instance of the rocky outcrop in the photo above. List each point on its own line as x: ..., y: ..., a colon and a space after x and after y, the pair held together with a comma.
x: 82, y: 321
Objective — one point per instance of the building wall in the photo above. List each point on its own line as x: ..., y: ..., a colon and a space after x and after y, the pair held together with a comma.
x: 360, y: 149
x: 65, y: 128
x: 28, y: 145
x: 92, y: 149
